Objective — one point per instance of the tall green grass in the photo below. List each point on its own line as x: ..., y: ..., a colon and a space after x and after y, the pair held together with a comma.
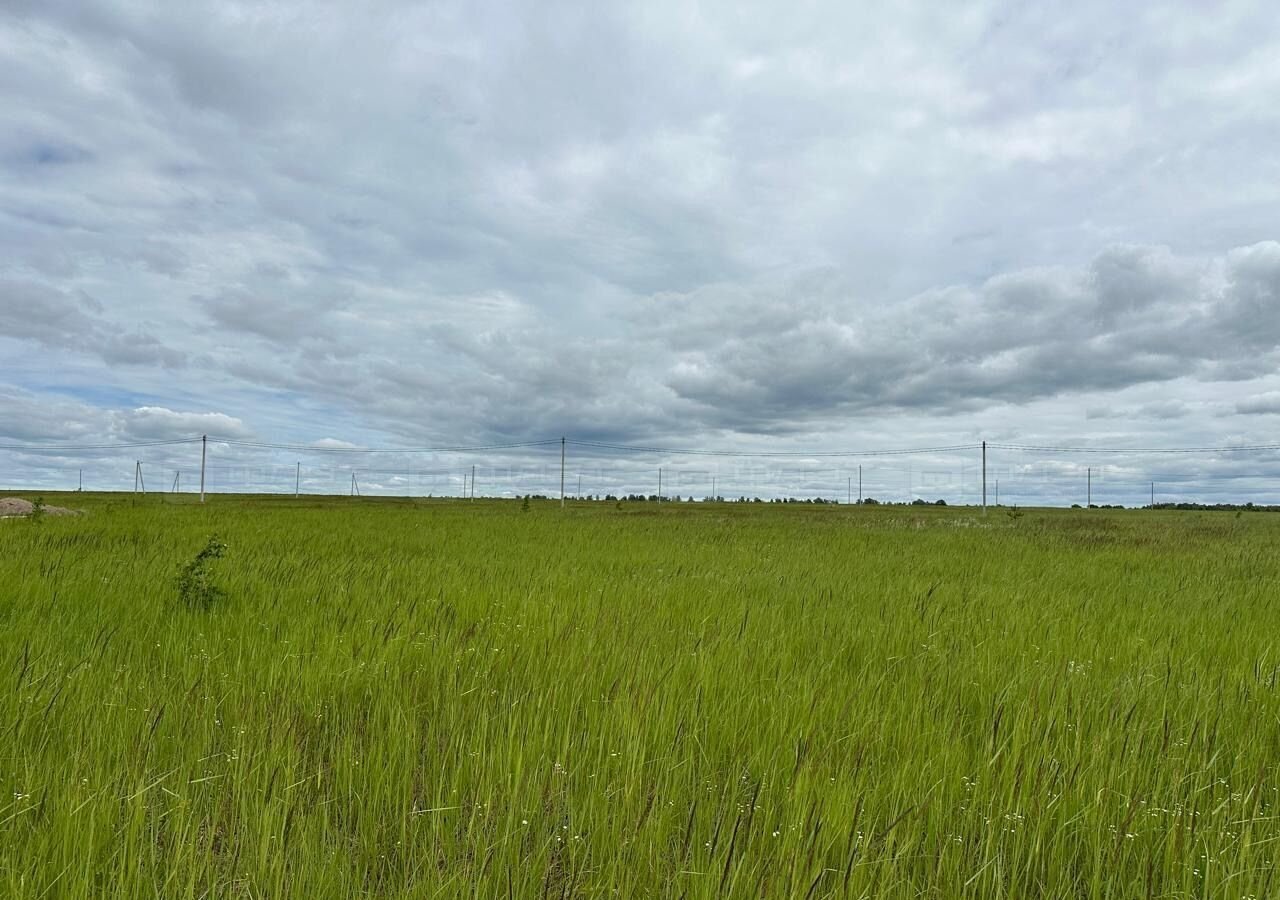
x: 434, y: 699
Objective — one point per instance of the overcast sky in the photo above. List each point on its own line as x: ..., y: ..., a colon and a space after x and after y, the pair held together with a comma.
x: 775, y: 226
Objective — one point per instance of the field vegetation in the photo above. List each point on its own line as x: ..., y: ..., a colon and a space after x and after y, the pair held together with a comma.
x: 320, y: 698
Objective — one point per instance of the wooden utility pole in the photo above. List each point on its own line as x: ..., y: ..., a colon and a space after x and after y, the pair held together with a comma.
x: 204, y: 447
x: 297, y: 479
x: 1088, y: 502
x: 984, y: 478
x: 562, y: 472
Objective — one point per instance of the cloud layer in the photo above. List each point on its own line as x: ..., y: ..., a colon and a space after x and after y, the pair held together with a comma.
x: 735, y: 227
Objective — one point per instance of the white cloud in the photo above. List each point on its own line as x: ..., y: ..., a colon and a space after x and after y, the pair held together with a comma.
x: 155, y: 423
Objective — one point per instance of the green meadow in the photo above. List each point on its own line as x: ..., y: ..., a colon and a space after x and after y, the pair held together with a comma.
x: 414, y: 698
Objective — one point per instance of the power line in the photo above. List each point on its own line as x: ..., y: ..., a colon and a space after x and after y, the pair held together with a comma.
x: 790, y: 454
x: 1238, y: 449
x: 304, y: 448
x: 81, y: 447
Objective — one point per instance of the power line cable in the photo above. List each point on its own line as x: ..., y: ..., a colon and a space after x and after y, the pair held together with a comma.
x: 304, y: 448
x: 789, y: 454
x: 1239, y: 449
x: 81, y: 447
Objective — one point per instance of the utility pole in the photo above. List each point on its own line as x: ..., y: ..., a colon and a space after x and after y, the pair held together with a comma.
x: 137, y: 471
x: 984, y: 478
x: 177, y: 481
x: 659, y: 484
x: 562, y: 472
x: 1089, y: 489
x: 848, y: 493
x: 1153, y: 495
x: 297, y: 479
x: 139, y: 480
x: 473, y: 481
x: 579, y: 485
x: 859, y: 484
x: 204, y: 446
x: 713, y: 488
x: 81, y: 488
x: 997, y: 493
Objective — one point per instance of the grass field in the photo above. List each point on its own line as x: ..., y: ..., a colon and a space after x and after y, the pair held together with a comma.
x: 447, y: 699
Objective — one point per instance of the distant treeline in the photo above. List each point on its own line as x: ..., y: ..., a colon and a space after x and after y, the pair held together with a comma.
x: 1221, y: 507
x: 871, y: 501
x: 676, y: 498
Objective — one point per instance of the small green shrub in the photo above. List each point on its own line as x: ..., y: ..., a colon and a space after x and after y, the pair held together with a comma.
x: 37, y: 509
x: 195, y: 586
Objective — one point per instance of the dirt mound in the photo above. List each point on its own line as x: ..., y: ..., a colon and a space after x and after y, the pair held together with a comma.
x: 16, y: 506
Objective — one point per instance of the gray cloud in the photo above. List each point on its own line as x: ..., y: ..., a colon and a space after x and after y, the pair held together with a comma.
x: 61, y: 321
x: 280, y: 317
x: 1133, y: 316
x: 35, y: 312
x: 1261, y: 405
